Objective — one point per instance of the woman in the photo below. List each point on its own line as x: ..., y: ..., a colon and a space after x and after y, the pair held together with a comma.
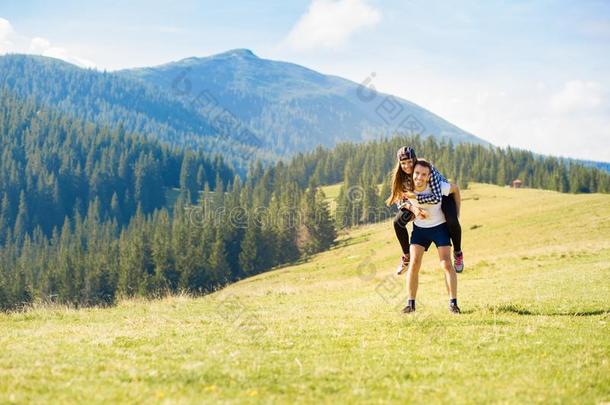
x: 426, y: 230
x: 402, y: 189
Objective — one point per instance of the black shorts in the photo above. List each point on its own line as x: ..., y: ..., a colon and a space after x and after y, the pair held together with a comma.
x: 425, y: 236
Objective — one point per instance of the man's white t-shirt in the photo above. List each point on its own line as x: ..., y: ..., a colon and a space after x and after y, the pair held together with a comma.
x: 435, y: 213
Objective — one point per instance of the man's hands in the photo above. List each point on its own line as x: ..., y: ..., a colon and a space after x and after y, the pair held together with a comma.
x: 419, y: 213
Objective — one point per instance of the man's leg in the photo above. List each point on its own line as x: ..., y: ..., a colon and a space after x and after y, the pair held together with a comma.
x: 444, y: 254
x: 417, y: 253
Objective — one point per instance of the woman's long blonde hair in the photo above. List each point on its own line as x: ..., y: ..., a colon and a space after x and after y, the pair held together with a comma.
x: 399, y: 178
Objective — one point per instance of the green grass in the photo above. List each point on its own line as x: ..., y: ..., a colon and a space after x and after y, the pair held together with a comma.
x: 332, y: 193
x: 535, y: 296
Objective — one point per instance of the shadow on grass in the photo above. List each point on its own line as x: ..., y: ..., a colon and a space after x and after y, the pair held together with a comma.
x: 519, y: 310
x: 349, y: 241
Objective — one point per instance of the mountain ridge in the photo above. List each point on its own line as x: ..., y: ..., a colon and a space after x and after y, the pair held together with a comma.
x: 254, y: 108
x: 279, y: 85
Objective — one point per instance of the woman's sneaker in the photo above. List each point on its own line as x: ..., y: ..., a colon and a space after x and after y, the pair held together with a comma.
x: 403, y: 266
x: 458, y: 262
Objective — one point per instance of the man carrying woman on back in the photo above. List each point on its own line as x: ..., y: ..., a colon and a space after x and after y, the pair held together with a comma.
x: 423, y: 195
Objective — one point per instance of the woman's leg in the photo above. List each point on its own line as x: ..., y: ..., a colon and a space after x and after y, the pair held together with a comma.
x: 400, y: 227
x: 449, y: 208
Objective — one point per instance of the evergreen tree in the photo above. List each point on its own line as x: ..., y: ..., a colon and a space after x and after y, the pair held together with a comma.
x: 219, y: 265
x: 22, y: 222
x: 249, y: 257
x: 166, y: 276
x: 189, y: 177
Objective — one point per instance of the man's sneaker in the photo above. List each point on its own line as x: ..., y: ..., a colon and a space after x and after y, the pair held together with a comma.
x: 403, y: 266
x: 408, y: 309
x: 454, y: 308
x: 458, y: 262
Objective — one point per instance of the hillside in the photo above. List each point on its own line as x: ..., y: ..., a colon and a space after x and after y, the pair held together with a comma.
x: 534, y: 329
x: 54, y: 167
x: 293, y: 108
x: 108, y: 99
x: 234, y: 103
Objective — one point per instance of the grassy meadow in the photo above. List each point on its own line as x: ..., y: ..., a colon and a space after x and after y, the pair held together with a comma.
x: 535, y: 297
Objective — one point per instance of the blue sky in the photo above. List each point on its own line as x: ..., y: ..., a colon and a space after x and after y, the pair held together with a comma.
x: 530, y: 74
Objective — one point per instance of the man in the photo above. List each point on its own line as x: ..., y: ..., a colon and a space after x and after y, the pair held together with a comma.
x: 402, y: 178
x: 429, y: 226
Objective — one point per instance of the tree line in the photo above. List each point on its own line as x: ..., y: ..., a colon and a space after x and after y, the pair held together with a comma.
x: 53, y: 167
x: 228, y: 235
x: 364, y: 170
x: 92, y: 223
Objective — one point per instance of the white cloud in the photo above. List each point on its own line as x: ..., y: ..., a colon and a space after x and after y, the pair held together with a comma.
x: 567, y: 118
x: 11, y: 41
x: 42, y: 46
x: 63, y: 54
x: 38, y: 45
x: 329, y: 24
x: 577, y: 96
x: 6, y: 36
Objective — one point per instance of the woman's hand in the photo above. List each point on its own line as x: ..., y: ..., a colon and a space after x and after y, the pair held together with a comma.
x: 404, y: 204
x: 409, y: 194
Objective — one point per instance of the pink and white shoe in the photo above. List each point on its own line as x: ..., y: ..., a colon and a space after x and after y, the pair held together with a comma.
x: 458, y: 262
x: 404, y: 265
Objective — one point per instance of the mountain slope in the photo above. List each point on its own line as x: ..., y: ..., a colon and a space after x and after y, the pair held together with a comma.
x: 234, y: 103
x: 109, y: 99
x: 293, y: 108
x: 534, y: 295
x: 53, y: 167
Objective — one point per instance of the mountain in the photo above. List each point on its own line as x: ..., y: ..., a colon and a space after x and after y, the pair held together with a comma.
x: 110, y: 99
x: 292, y: 108
x: 589, y: 163
x: 235, y: 103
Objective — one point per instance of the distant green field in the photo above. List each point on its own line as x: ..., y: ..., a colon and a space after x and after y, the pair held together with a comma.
x: 332, y: 192
x: 535, y: 295
x: 171, y: 195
